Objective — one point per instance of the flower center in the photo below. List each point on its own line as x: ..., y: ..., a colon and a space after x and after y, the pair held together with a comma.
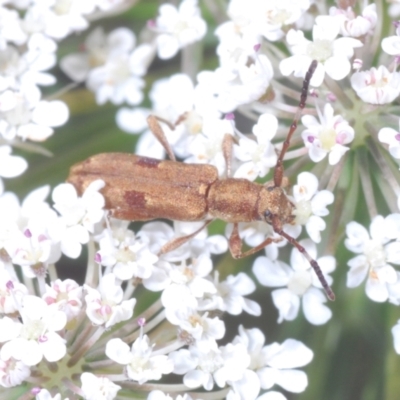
x: 32, y: 330
x: 62, y: 7
x: 320, y: 50
x: 125, y: 255
x: 327, y: 138
x: 278, y: 17
x: 303, y: 212
x: 375, y: 254
x: 299, y: 282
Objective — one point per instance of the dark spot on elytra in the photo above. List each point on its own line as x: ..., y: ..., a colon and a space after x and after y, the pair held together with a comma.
x: 135, y: 200
x: 148, y: 162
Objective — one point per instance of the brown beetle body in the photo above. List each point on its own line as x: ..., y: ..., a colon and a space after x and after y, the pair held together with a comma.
x: 141, y: 188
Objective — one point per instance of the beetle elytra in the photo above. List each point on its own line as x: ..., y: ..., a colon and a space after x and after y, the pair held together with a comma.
x: 142, y: 188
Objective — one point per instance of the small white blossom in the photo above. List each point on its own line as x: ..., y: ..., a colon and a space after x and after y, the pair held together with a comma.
x: 141, y: 365
x: 33, y: 252
x: 391, y: 44
x: 204, y: 366
x: 29, y: 118
x: 229, y: 296
x: 331, y: 53
x: 193, y: 276
x: 257, y: 156
x: 105, y: 305
x: 66, y: 294
x: 311, y: 204
x: 36, y: 336
x: 376, y: 86
x: 355, y: 25
x: 13, y: 372
x: 11, y: 166
x: 159, y: 395
x: 202, y: 329
x: 232, y: 88
x: 275, y: 363
x: 327, y: 136
x: 78, y: 214
x: 178, y: 27
x: 10, y: 28
x: 207, y: 147
x: 302, y: 284
x: 376, y: 254
x: 396, y: 337
x: 391, y: 137
x: 128, y: 258
x: 60, y: 18
x: 11, y: 293
x: 98, y: 388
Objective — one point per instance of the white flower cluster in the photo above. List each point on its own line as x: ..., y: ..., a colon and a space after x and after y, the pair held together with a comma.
x: 49, y: 323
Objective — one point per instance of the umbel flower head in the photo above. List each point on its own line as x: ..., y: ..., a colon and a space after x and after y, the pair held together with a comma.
x: 300, y: 97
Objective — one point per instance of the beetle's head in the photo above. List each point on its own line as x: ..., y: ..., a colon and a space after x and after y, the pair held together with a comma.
x: 273, y: 201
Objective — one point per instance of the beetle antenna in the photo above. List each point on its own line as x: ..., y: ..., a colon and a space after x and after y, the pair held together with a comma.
x: 278, y: 173
x: 317, y: 269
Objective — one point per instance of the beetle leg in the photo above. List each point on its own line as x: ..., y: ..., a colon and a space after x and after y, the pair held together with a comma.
x: 158, y: 132
x: 179, y: 241
x: 227, y: 149
x: 235, y: 244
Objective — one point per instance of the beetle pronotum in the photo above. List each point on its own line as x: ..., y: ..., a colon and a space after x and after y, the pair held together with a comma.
x: 142, y: 188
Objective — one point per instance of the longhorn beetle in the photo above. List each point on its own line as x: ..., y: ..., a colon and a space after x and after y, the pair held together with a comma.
x: 142, y: 188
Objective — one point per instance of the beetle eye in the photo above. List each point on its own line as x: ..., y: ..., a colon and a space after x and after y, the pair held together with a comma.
x: 267, y: 214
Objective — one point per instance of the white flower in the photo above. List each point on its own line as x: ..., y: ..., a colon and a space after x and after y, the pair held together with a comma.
x: 202, y: 329
x: 242, y: 85
x: 229, y: 296
x: 11, y: 293
x: 396, y: 337
x: 302, y: 284
x: 98, y: 388
x: 332, y: 54
x: 105, y: 305
x: 391, y: 137
x: 141, y: 365
x: 36, y: 336
x: 10, y: 28
x: 66, y: 294
x: 30, y: 118
x: 116, y: 81
x: 13, y: 372
x: 267, y: 18
x: 159, y: 395
x: 327, y: 136
x: 78, y: 214
x: 391, y: 44
x: 11, y: 166
x: 32, y: 252
x: 178, y: 27
x: 276, y: 363
x: 204, y: 366
x: 207, y: 147
x: 376, y: 86
x: 111, y: 66
x: 60, y: 18
x: 128, y: 258
x: 311, y: 204
x: 44, y: 394
x: 356, y: 25
x: 373, y: 261
x: 257, y: 156
x: 192, y: 276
